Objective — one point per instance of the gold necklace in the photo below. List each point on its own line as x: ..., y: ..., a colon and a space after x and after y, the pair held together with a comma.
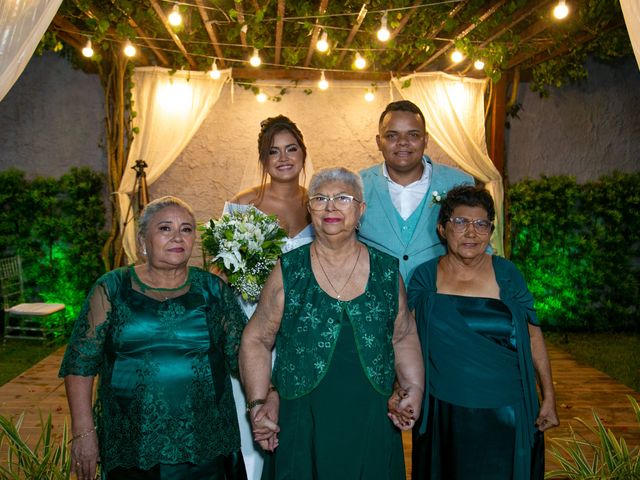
x: 338, y: 292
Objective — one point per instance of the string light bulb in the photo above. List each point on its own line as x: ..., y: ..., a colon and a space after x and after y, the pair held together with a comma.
x: 322, y: 83
x: 129, y: 49
x: 561, y: 10
x: 87, y: 51
x: 359, y: 62
x: 214, y: 72
x: 457, y: 56
x: 261, y: 97
x: 255, y: 59
x: 369, y: 96
x: 478, y: 64
x: 323, y: 44
x: 175, y: 19
x: 384, y: 34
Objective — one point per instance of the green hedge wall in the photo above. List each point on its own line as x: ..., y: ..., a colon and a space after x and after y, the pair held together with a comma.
x: 578, y: 246
x: 57, y: 227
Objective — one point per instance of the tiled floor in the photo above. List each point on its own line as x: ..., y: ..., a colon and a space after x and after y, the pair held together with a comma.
x: 579, y: 390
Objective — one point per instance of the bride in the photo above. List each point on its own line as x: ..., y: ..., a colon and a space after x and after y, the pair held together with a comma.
x: 282, y: 155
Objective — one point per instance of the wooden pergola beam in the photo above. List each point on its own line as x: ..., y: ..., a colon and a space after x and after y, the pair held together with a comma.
x: 354, y: 30
x: 240, y: 10
x: 315, y: 33
x: 454, y: 11
x: 464, y: 32
x: 174, y: 37
x: 279, y: 31
x: 162, y: 58
x: 405, y: 19
x: 211, y: 31
x: 310, y: 75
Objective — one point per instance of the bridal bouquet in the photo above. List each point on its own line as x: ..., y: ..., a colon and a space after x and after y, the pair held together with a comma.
x: 245, y: 246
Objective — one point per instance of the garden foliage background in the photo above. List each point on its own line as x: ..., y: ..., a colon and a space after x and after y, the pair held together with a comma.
x: 57, y: 227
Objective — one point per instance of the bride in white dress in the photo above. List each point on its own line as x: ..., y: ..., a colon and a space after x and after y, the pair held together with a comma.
x: 282, y: 155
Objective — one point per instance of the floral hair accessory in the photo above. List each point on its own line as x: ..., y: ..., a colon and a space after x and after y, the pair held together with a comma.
x: 245, y: 246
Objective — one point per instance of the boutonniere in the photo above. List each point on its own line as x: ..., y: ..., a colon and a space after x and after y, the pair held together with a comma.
x: 436, y: 198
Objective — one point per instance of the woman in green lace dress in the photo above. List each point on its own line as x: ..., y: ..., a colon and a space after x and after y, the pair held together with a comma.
x: 162, y: 337
x: 336, y: 310
x: 483, y: 350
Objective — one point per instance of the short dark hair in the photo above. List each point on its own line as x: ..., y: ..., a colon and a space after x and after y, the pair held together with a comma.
x: 402, y: 106
x: 468, y: 196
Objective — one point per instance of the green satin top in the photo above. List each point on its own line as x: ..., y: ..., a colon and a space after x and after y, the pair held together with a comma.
x: 164, y: 393
x: 311, y: 324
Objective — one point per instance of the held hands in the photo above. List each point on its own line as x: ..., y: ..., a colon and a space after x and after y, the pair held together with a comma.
x: 547, y: 417
x: 264, y: 422
x: 84, y: 455
x: 404, y: 406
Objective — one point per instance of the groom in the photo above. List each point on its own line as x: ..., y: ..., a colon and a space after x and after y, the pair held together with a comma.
x: 401, y: 193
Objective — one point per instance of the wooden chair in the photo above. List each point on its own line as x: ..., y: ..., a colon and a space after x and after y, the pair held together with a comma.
x: 25, y: 320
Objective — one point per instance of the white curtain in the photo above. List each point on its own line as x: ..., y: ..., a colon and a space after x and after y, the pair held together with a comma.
x: 22, y: 25
x: 631, y: 12
x: 170, y: 109
x: 454, y: 112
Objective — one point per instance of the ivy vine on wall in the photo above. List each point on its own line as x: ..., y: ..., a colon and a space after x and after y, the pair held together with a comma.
x: 578, y: 246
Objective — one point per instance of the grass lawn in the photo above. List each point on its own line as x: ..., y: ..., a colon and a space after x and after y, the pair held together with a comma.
x: 615, y: 354
x: 16, y: 356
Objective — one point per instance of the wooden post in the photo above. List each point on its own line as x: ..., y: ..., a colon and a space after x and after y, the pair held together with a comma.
x: 498, y: 116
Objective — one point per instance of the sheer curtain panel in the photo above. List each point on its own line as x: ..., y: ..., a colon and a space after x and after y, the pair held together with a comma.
x: 22, y: 25
x: 170, y: 108
x: 453, y: 108
x: 631, y: 12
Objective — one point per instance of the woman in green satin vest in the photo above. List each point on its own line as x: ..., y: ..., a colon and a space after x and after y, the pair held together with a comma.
x: 336, y: 311
x: 163, y: 338
x: 483, y: 350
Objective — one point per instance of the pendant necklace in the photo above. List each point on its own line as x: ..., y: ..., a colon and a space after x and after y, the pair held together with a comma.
x: 338, y: 292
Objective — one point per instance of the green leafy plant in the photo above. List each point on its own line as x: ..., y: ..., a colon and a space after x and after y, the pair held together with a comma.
x: 607, y: 457
x: 49, y: 459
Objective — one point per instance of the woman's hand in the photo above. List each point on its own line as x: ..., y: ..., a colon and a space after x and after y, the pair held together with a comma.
x: 547, y: 417
x: 85, y: 456
x: 404, y: 406
x: 264, y: 422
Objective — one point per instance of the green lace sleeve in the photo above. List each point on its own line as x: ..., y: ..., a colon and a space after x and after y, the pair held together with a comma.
x: 84, y: 351
x: 232, y: 321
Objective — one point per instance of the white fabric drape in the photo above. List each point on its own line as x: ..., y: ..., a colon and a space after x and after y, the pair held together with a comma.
x: 170, y: 109
x: 454, y: 112
x: 22, y: 25
x: 631, y: 12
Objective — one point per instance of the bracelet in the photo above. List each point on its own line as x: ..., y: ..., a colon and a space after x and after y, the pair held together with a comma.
x: 82, y: 435
x: 255, y: 403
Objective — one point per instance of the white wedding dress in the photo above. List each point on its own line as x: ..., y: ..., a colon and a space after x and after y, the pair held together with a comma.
x: 251, y: 451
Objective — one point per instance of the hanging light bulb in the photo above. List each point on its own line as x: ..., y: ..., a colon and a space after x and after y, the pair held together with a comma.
x: 129, y: 49
x: 175, y: 18
x: 323, y: 44
x: 369, y: 96
x: 561, y: 10
x: 214, y: 72
x: 87, y: 51
x: 255, y: 60
x: 383, y: 33
x: 457, y: 56
x: 323, y: 84
x: 261, y: 97
x: 478, y: 64
x: 359, y: 62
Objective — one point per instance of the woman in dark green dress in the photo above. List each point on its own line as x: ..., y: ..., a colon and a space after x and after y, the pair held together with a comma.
x: 483, y: 349
x: 163, y: 338
x: 336, y: 311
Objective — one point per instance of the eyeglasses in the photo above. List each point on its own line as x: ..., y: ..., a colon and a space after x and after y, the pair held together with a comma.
x: 340, y: 201
x: 460, y: 224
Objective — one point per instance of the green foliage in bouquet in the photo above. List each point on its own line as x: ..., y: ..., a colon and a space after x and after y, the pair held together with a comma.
x: 49, y: 459
x: 607, y: 457
x: 245, y: 246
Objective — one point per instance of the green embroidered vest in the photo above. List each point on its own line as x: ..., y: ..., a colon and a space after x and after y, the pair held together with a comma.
x: 311, y: 325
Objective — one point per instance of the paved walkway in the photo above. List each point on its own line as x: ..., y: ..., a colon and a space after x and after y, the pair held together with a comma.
x: 579, y: 390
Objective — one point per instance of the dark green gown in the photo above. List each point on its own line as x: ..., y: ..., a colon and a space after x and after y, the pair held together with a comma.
x: 340, y: 430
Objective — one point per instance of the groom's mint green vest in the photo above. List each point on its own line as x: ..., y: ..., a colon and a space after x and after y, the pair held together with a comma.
x: 415, y: 240
x: 311, y: 324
